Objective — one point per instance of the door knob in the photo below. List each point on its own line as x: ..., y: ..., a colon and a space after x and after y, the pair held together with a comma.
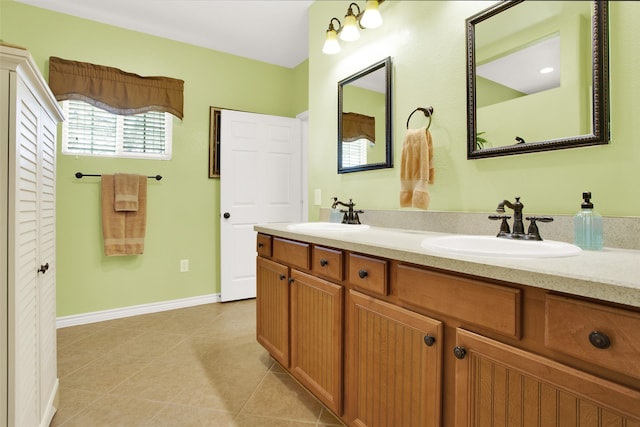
x: 226, y: 215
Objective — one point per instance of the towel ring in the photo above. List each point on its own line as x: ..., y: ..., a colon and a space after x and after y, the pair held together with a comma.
x: 428, y: 112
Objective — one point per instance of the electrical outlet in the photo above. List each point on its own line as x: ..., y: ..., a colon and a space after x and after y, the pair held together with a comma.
x: 184, y: 265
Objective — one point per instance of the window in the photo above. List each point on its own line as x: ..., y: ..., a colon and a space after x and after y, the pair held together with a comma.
x: 92, y: 131
x: 354, y: 153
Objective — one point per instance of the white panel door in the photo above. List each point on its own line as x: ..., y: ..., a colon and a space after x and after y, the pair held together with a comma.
x: 260, y: 182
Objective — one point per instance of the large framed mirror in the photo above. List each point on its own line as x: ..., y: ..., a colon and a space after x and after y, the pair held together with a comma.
x: 364, y: 119
x: 537, y: 77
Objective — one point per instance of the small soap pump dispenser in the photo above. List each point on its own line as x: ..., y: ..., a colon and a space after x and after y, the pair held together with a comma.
x: 587, y: 226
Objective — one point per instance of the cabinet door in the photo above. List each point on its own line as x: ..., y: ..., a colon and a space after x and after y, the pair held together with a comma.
x: 272, y: 308
x: 394, y: 365
x: 500, y: 385
x: 316, y: 337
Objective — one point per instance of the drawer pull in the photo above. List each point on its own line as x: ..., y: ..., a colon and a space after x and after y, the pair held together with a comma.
x: 282, y: 277
x: 323, y: 262
x: 459, y: 352
x: 429, y: 340
x: 362, y: 274
x: 599, y: 340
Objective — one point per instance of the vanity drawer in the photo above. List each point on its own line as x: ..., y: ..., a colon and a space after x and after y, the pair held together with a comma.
x: 577, y: 328
x: 369, y: 273
x: 295, y: 254
x: 328, y: 263
x: 263, y: 245
x: 494, y: 307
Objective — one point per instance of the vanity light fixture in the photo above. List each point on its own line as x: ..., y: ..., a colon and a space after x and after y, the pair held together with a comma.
x: 370, y: 18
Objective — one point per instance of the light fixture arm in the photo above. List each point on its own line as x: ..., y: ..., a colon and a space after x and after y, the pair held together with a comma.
x: 332, y: 28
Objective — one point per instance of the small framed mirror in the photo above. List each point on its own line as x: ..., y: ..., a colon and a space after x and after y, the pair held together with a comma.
x: 537, y: 77
x: 364, y: 119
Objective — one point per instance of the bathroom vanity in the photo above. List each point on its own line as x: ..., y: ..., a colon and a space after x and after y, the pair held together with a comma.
x: 387, y: 333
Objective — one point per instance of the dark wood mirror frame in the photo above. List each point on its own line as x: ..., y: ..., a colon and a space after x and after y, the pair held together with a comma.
x: 600, y: 99
x: 388, y: 162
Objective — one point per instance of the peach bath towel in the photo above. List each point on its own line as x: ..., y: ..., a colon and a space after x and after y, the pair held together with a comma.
x: 123, y: 232
x: 126, y: 192
x: 416, y: 168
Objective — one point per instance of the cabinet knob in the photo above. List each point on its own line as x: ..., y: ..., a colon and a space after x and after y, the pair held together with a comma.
x: 429, y: 340
x: 459, y: 352
x: 362, y: 274
x: 323, y: 262
x: 261, y: 245
x: 43, y: 268
x: 599, y: 340
x: 290, y: 280
x: 226, y: 215
x: 282, y: 277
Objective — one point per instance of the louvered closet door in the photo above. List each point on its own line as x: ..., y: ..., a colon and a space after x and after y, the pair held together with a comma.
x: 24, y: 223
x: 47, y: 257
x: 32, y: 297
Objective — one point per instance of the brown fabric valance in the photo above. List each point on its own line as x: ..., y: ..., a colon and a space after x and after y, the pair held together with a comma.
x: 114, y: 90
x: 357, y: 126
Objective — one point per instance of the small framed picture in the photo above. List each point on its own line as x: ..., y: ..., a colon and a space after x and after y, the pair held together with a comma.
x: 214, y: 142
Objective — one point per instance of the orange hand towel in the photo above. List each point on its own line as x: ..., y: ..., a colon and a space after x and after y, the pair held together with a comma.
x: 123, y: 232
x: 126, y: 192
x: 416, y: 169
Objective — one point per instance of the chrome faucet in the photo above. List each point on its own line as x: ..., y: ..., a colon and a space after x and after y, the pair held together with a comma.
x: 518, y: 226
x: 350, y: 215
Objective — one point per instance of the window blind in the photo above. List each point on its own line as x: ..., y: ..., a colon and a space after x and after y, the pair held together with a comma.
x: 90, y: 130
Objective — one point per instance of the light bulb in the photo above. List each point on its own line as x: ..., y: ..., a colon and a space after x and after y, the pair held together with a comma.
x: 350, y: 31
x: 371, y: 17
x: 331, y: 44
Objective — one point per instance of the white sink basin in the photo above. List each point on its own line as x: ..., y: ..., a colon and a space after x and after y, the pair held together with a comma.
x: 490, y: 246
x: 327, y: 226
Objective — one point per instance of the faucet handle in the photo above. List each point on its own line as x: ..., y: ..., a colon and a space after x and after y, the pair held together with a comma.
x: 533, y: 232
x: 504, y: 226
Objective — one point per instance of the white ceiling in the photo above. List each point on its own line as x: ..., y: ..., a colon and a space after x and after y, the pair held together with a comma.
x: 520, y: 70
x: 272, y: 31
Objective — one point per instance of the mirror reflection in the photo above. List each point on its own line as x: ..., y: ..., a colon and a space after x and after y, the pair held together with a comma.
x: 537, y: 77
x: 364, y: 125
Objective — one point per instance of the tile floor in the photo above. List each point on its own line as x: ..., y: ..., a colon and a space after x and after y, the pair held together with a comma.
x: 197, y: 366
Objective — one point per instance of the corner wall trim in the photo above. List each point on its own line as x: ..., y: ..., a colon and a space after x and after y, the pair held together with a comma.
x: 134, y: 310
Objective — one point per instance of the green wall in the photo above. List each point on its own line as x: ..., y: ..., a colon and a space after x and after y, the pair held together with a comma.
x: 427, y: 43
x: 183, y: 208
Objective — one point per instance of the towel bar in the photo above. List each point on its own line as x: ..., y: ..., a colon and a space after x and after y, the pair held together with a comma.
x: 428, y: 112
x: 80, y: 175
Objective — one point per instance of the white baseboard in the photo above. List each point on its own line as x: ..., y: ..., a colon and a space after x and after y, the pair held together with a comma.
x: 117, y: 313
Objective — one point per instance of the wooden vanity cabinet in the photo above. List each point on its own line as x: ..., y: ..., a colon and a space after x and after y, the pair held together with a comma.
x: 498, y: 384
x: 408, y: 345
x: 272, y: 308
x: 317, y: 308
x: 300, y: 318
x: 394, y: 366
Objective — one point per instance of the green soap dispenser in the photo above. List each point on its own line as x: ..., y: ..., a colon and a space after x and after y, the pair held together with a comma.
x: 587, y: 226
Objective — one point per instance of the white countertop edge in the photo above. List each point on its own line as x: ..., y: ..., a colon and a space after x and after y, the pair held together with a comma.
x: 610, y: 275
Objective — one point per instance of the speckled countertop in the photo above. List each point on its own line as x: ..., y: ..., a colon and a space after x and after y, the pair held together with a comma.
x: 610, y: 275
